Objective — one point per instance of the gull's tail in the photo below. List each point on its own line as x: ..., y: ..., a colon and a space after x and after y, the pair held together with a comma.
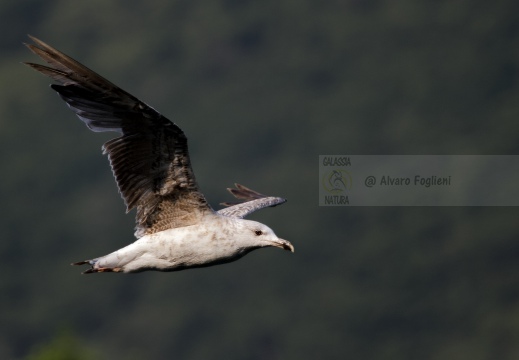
x: 93, y: 268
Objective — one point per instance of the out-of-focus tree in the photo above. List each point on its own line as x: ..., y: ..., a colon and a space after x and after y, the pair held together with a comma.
x: 64, y: 346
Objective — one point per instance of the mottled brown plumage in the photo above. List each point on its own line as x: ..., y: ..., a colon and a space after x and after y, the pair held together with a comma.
x: 150, y: 161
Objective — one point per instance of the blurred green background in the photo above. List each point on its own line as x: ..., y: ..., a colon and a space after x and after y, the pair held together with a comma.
x: 262, y: 88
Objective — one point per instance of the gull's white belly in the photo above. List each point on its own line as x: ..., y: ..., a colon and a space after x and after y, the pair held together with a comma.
x: 174, y: 249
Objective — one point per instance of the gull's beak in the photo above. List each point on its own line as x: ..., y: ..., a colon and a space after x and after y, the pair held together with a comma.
x: 283, y: 244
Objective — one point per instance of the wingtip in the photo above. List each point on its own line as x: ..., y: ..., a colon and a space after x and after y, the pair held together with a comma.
x: 29, y: 64
x: 35, y: 40
x: 225, y: 203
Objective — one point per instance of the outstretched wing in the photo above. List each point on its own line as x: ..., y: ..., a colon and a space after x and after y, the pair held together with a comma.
x: 253, y: 201
x: 150, y: 160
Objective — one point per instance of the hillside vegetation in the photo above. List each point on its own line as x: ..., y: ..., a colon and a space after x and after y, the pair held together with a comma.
x: 261, y: 88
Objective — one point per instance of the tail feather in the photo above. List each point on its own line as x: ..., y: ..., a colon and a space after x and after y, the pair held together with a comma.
x: 94, y: 269
x: 87, y: 262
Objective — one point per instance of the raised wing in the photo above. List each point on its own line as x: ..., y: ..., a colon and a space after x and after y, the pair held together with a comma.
x: 150, y: 160
x: 253, y: 201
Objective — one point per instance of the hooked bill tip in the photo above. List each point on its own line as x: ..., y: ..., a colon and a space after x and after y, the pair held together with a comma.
x: 286, y: 245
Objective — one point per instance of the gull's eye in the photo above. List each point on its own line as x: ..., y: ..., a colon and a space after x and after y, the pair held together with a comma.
x: 258, y: 232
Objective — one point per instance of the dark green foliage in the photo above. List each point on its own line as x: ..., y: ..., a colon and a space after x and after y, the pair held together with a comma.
x: 261, y: 88
x: 63, y: 347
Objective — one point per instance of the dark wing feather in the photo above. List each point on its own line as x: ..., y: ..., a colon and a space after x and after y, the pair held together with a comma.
x: 253, y: 201
x: 150, y: 159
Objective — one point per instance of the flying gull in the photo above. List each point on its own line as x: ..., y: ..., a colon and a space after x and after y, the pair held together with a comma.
x: 176, y: 228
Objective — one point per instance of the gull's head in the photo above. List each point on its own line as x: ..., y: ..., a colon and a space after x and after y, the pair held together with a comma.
x: 260, y: 235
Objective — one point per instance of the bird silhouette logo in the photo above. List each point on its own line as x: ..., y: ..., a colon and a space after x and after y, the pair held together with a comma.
x: 337, y: 181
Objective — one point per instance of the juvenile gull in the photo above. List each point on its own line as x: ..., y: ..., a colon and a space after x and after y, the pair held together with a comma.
x: 176, y: 228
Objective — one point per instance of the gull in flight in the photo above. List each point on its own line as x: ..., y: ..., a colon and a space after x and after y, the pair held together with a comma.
x: 176, y: 228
